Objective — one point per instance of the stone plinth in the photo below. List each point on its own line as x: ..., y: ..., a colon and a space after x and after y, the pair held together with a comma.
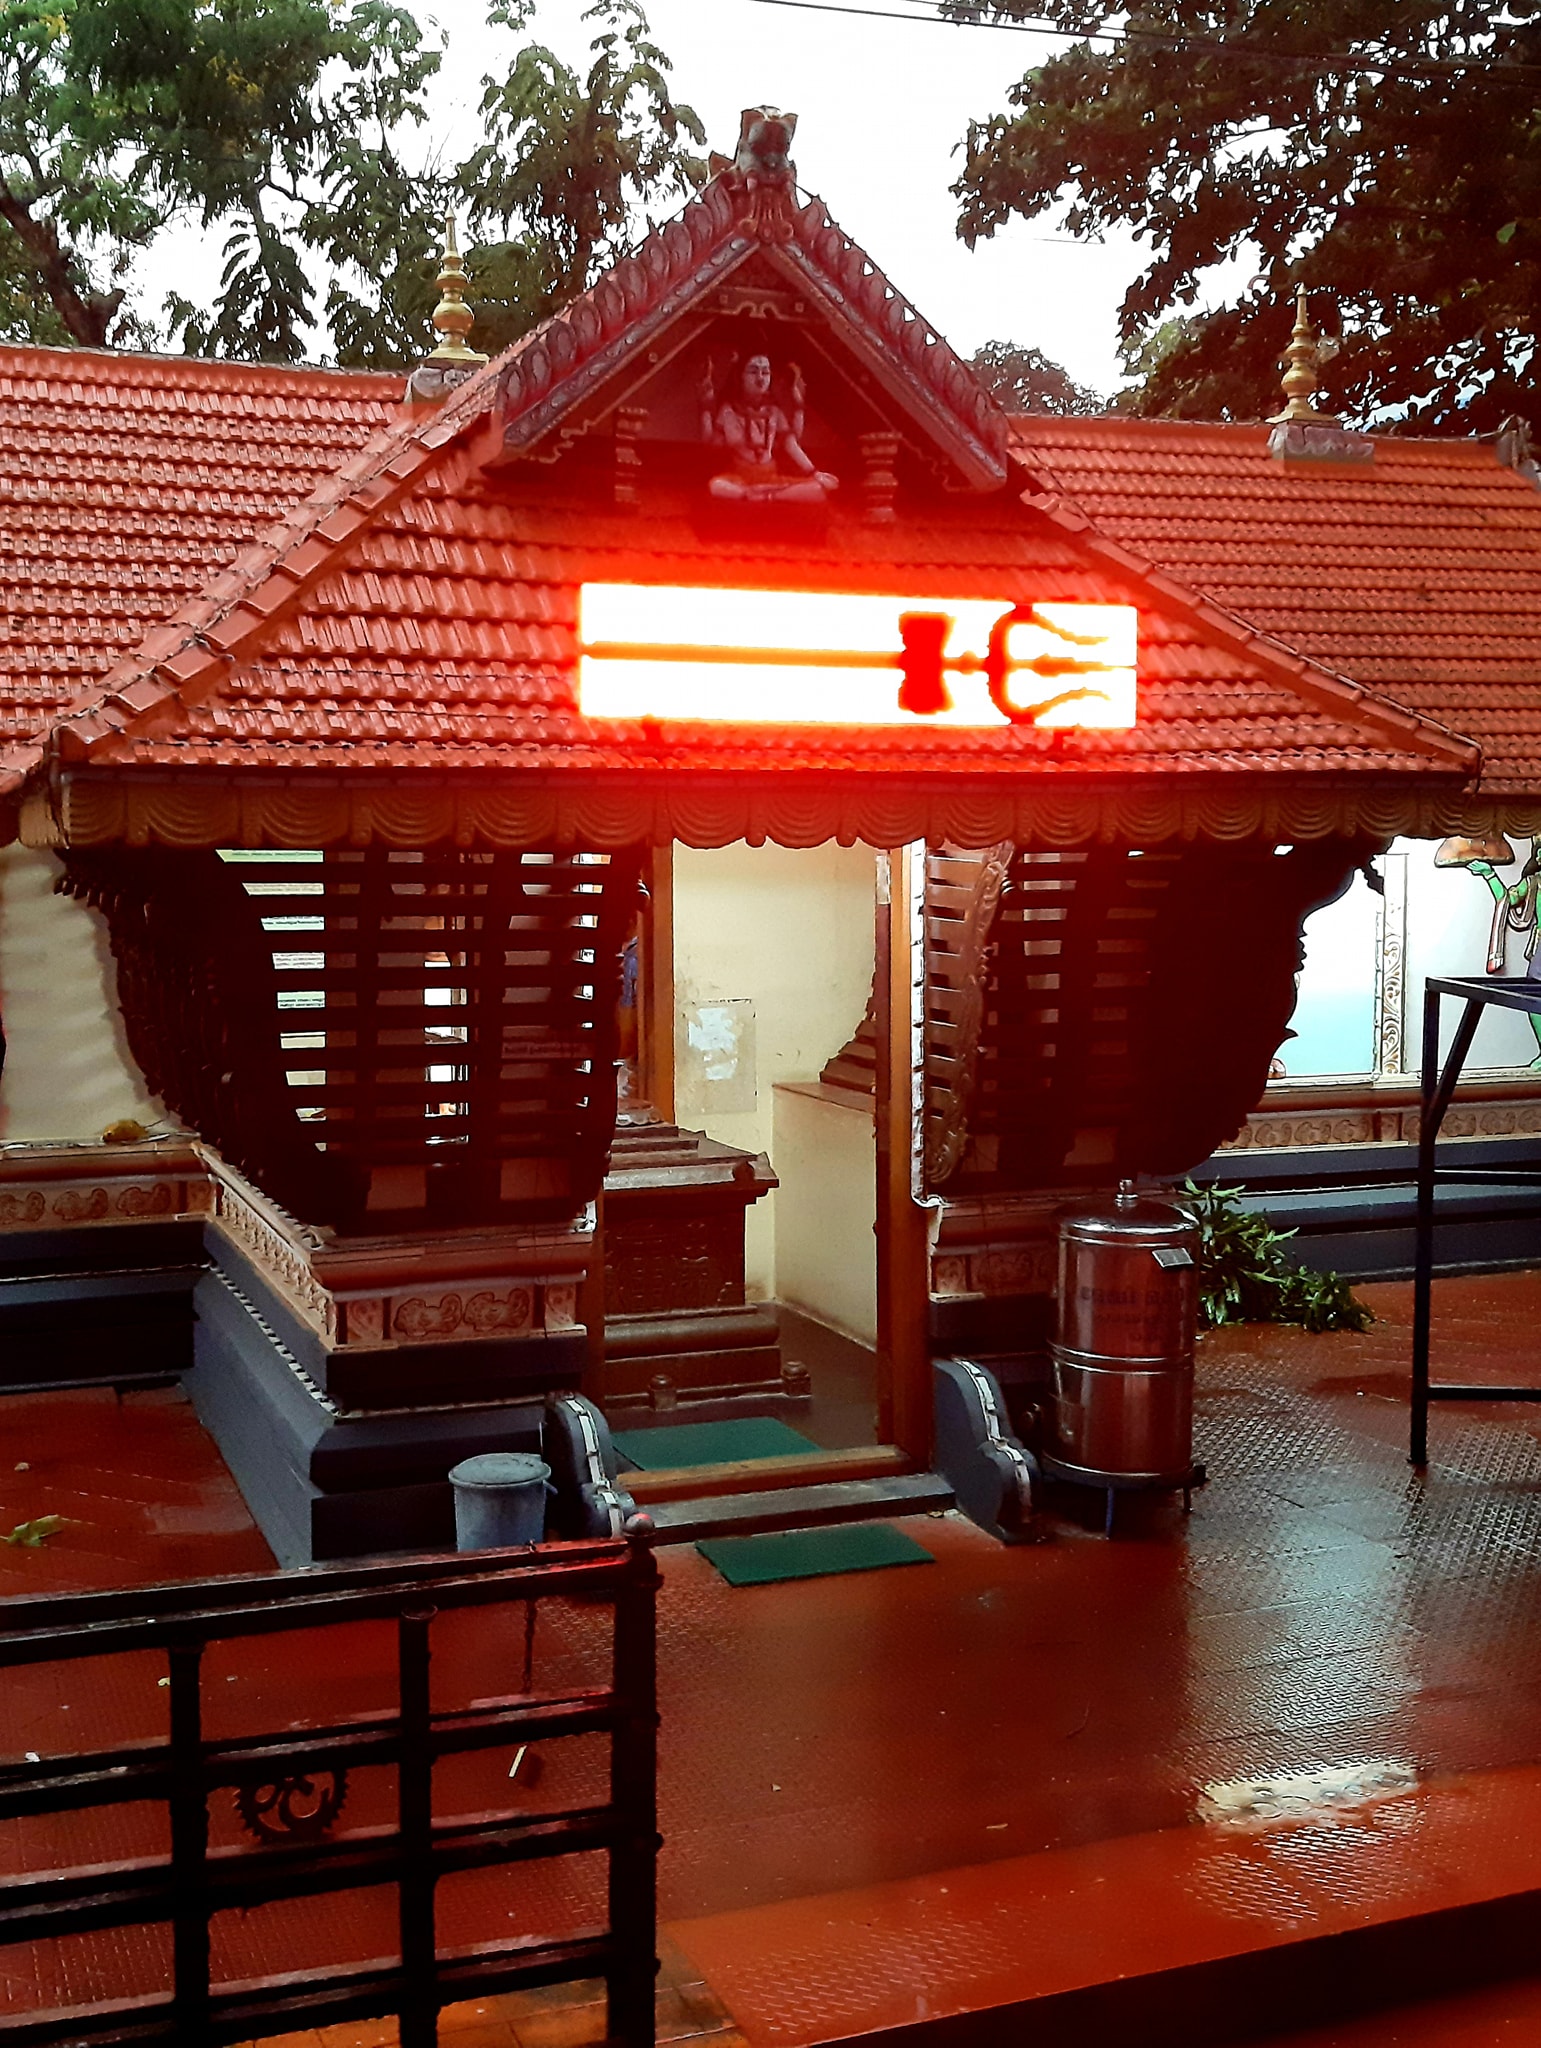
x: 675, y: 1307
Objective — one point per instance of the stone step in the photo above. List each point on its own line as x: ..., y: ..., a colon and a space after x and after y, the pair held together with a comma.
x: 799, y: 1507
x: 1193, y: 1937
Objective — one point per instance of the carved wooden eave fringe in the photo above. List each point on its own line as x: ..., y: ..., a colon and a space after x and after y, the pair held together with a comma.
x: 1035, y: 808
x: 947, y: 1134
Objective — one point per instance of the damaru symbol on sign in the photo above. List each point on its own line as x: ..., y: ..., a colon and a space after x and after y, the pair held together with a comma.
x: 797, y: 657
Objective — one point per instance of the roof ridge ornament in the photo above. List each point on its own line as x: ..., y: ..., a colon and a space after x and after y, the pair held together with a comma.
x: 1515, y: 449
x: 1300, y: 432
x: 544, y: 377
x: 1301, y: 361
x: 761, y: 173
x: 452, y: 361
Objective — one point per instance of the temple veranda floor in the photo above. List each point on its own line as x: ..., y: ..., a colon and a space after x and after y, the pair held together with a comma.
x: 992, y: 1786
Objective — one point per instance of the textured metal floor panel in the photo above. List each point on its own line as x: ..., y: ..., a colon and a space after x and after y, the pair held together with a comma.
x: 1322, y: 1608
x: 1018, y: 1942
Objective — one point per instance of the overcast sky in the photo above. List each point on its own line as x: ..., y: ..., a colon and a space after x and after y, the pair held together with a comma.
x: 882, y: 107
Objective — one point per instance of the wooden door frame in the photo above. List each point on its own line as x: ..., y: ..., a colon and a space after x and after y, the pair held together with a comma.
x: 655, y: 996
x: 904, y: 1298
x: 903, y: 1292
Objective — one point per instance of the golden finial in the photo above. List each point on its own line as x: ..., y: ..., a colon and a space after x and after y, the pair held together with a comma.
x: 1303, y: 358
x: 452, y: 316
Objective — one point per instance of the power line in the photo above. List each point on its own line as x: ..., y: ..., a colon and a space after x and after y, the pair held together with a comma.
x: 938, y: 20
x: 1412, y: 69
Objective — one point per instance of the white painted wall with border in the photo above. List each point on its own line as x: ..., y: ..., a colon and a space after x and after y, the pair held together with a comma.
x: 68, y: 1071
x: 787, y: 931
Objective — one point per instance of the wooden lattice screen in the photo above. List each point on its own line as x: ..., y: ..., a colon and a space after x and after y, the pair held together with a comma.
x: 382, y: 1040
x: 1107, y: 1011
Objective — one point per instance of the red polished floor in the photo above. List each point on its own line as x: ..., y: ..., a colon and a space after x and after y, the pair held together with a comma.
x: 1323, y: 1608
x: 1503, y: 2016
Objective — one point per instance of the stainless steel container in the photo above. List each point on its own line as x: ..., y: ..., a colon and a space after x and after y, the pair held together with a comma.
x: 1123, y: 1362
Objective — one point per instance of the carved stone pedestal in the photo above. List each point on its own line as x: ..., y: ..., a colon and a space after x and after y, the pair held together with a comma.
x: 676, y: 1321
x: 100, y: 1247
x: 343, y: 1377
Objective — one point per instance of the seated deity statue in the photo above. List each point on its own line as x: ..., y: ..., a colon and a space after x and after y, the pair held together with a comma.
x: 769, y: 464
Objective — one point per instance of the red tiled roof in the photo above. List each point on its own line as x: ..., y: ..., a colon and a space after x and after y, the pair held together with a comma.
x: 1418, y: 575
x: 127, y: 481
x: 417, y: 609
x: 418, y: 612
x: 428, y: 622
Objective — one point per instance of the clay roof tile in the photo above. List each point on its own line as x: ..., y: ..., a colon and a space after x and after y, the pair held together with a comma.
x: 1412, y: 574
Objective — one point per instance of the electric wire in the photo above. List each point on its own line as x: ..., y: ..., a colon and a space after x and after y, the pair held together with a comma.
x: 1412, y: 69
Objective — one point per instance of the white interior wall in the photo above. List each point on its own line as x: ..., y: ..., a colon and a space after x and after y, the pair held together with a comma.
x: 788, y: 932
x: 1334, y: 1016
x: 826, y: 1249
x: 68, y: 1072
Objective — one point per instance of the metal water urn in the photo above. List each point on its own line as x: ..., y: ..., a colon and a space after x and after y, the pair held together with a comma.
x: 1123, y: 1362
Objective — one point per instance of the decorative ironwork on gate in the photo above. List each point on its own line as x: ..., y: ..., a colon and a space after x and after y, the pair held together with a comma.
x: 187, y: 1887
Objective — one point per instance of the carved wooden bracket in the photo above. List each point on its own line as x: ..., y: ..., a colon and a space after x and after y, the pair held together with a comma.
x: 629, y: 422
x: 879, y: 477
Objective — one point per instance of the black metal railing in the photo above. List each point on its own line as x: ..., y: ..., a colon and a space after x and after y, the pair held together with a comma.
x: 184, y: 1889
x: 1517, y: 992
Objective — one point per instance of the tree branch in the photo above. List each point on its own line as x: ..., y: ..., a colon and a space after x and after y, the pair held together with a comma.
x: 87, y: 315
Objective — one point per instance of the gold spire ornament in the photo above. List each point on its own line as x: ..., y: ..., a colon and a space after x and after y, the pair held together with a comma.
x: 1302, y: 360
x: 452, y: 316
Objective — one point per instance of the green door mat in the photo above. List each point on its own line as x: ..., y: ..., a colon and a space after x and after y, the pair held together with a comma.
x: 811, y: 1553
x: 709, y: 1443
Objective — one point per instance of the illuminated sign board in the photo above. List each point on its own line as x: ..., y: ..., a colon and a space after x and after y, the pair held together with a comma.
x: 804, y: 657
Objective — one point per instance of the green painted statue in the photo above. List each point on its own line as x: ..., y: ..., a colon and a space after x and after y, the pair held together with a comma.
x: 1514, y: 907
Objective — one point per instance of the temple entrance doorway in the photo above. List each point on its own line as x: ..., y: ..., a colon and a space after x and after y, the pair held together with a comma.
x: 740, y: 1307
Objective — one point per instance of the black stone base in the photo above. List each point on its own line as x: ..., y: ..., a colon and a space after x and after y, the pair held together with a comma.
x: 959, y: 1326
x: 323, y: 1482
x: 97, y: 1306
x: 1353, y: 1206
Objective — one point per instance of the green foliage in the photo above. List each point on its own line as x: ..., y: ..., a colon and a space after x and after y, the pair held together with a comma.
x: 569, y: 160
x: 1026, y: 380
x: 26, y: 311
x: 283, y: 128
x: 1387, y: 157
x: 34, y: 1534
x: 257, y: 116
x: 1245, y: 1275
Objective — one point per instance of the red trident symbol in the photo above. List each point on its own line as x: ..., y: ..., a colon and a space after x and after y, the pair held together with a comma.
x: 925, y: 666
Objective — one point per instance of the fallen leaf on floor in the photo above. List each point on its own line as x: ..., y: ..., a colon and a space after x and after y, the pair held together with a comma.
x: 34, y: 1534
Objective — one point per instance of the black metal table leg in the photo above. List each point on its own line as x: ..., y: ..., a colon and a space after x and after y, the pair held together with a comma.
x: 1437, y: 1087
x: 1423, y: 1253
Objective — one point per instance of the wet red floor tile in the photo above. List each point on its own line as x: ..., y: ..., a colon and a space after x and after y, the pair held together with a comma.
x: 1501, y: 2016
x: 1323, y: 1607
x: 1029, y: 1928
x: 143, y: 1491
x: 560, y: 2016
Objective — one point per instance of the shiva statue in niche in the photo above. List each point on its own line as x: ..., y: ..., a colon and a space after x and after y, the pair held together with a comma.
x: 763, y: 437
x: 1514, y: 903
